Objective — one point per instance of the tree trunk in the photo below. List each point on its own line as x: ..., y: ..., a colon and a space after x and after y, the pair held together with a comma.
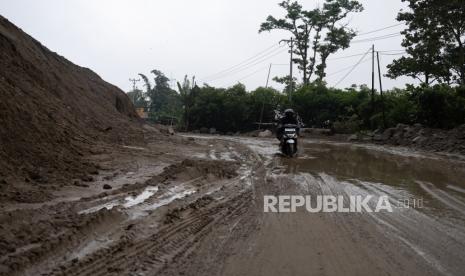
x: 321, y: 71
x: 315, y: 46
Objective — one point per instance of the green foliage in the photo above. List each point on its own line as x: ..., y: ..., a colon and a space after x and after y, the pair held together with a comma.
x: 320, y: 106
x: 148, y: 86
x: 320, y: 29
x: 289, y: 84
x: 401, y: 107
x: 263, y: 101
x: 344, y: 110
x: 434, y: 42
x: 440, y: 106
x: 162, y: 103
x: 233, y: 109
x: 187, y: 93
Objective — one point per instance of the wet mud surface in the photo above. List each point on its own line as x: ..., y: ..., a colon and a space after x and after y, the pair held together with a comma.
x: 194, y: 206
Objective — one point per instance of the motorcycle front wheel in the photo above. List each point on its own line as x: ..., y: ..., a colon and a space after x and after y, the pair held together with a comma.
x: 289, y: 150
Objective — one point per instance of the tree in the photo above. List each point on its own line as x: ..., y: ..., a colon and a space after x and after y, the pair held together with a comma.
x: 148, y: 86
x: 163, y: 102
x: 187, y: 94
x: 320, y: 28
x: 263, y: 101
x: 159, y: 92
x: 451, y: 17
x: 300, y: 27
x: 434, y: 42
x: 288, y: 83
x: 337, y: 37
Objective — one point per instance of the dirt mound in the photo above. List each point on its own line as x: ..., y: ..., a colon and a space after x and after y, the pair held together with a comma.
x: 52, y: 112
x: 193, y: 168
x: 452, y: 141
x: 417, y: 136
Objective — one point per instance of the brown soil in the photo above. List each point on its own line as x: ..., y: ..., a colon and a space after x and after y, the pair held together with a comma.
x: 450, y: 141
x: 205, y: 216
x: 97, y: 193
x: 68, y: 239
x: 52, y: 114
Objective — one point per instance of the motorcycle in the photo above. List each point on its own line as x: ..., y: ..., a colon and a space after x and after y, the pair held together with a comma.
x: 288, y: 143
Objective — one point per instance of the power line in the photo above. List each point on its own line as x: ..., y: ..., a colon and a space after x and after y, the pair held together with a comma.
x: 345, y: 68
x: 349, y: 56
x: 381, y: 29
x: 261, y: 53
x: 392, y: 54
x: 246, y: 60
x: 356, y: 64
x: 253, y: 73
x: 377, y: 38
x: 270, y: 49
x: 384, y: 51
x: 233, y: 72
x: 247, y: 64
x: 361, y: 54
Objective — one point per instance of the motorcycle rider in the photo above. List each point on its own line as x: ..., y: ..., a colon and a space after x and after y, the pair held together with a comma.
x: 289, y: 117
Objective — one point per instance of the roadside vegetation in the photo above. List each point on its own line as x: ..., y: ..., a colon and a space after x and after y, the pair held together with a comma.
x: 434, y: 42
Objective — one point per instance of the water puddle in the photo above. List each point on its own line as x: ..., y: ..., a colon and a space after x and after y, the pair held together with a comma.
x: 176, y: 192
x: 170, y: 197
x: 405, y: 178
x: 434, y: 179
x: 227, y: 156
x: 146, y: 194
x: 134, y: 147
x: 212, y: 155
x: 107, y: 205
x: 128, y: 201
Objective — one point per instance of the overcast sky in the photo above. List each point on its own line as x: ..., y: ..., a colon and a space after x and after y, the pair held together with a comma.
x: 120, y: 38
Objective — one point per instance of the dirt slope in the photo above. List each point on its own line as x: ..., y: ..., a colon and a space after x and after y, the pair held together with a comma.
x: 52, y: 112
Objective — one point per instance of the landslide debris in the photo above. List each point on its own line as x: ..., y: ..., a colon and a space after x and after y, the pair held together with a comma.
x: 53, y: 113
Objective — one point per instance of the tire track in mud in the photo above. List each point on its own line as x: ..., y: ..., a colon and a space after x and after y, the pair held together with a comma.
x: 378, y: 247
x: 54, y: 248
x: 153, y: 254
x: 132, y: 244
x: 443, y: 197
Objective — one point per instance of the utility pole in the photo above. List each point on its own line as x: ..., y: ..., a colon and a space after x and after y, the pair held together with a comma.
x: 381, y: 90
x: 263, y: 100
x: 268, y: 77
x: 290, y: 71
x: 134, y: 83
x: 372, y: 83
x: 291, y: 84
x: 134, y: 89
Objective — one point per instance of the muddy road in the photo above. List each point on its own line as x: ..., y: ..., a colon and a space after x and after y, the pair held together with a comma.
x: 195, y: 206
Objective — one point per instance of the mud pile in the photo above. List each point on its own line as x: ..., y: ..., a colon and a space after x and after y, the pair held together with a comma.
x: 452, y: 141
x: 417, y: 136
x: 52, y: 114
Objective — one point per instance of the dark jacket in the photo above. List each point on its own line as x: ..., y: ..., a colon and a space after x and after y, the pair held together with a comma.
x: 286, y: 120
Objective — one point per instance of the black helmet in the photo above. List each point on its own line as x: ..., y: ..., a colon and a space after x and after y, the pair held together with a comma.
x: 289, y: 112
